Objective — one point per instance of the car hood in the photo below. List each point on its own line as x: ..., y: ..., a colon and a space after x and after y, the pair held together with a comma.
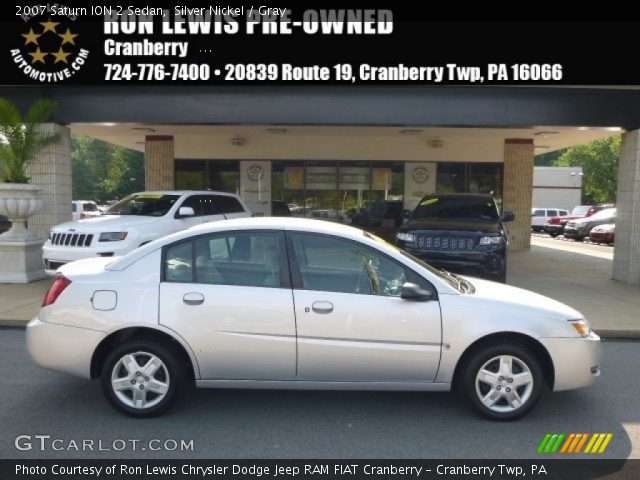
x: 451, y: 224
x: 510, y: 295
x: 105, y: 223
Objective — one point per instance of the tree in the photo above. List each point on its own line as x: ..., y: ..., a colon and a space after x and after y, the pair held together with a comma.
x: 599, y: 162
x: 102, y: 171
x: 22, y: 137
x: 548, y: 159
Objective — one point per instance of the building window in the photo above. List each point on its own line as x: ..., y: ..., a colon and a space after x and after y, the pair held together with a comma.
x: 470, y: 178
x: 219, y: 175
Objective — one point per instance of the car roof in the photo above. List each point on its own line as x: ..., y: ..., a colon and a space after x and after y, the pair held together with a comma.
x: 461, y: 195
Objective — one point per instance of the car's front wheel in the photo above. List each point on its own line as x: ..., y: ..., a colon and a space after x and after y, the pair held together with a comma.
x: 503, y: 381
x: 142, y: 378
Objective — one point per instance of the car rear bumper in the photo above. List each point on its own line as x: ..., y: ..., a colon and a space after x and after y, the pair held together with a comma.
x: 62, y: 348
x: 576, y: 361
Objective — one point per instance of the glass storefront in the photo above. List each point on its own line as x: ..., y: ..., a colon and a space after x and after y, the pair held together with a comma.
x: 341, y: 191
x: 470, y: 178
x: 219, y: 175
x: 335, y: 191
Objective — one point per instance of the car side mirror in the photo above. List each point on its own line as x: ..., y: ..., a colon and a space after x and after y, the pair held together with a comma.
x: 508, y: 217
x: 406, y: 213
x: 185, y: 212
x: 411, y: 291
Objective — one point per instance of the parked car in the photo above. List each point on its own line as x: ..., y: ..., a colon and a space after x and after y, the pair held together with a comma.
x: 330, y: 216
x: 579, y: 229
x: 540, y: 216
x: 555, y: 225
x: 604, y: 233
x: 460, y: 232
x: 82, y: 209
x: 297, y: 303
x: 382, y: 218
x: 280, y: 209
x: 5, y: 224
x: 135, y: 221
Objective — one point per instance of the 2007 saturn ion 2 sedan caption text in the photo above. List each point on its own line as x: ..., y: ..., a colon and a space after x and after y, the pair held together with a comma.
x: 294, y: 303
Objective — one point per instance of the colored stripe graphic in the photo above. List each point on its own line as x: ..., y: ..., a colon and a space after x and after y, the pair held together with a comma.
x: 573, y: 443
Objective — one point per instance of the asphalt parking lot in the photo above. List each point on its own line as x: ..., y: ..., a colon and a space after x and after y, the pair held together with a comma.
x: 290, y: 424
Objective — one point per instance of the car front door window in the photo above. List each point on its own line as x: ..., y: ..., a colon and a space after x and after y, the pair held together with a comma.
x: 334, y: 265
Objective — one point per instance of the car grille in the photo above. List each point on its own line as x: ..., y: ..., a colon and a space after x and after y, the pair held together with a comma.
x: 71, y: 239
x: 446, y: 242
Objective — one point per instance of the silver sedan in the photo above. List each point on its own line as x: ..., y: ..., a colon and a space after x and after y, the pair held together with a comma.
x: 303, y: 304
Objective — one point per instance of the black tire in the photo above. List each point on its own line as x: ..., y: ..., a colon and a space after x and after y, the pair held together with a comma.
x: 502, y: 410
x: 553, y: 235
x: 172, y: 373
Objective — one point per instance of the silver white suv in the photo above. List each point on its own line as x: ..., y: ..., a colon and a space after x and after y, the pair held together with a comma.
x: 134, y: 221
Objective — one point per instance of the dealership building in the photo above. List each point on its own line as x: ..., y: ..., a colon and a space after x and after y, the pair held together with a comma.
x: 336, y: 149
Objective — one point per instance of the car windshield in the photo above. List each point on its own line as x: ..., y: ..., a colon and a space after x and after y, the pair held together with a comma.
x: 582, y: 210
x: 144, y: 204
x: 606, y: 213
x: 472, y: 208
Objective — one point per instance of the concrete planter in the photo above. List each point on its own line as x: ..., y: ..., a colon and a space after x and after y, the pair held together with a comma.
x: 20, y: 249
x: 19, y: 201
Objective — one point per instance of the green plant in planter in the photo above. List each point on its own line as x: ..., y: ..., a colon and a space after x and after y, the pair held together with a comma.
x: 21, y: 138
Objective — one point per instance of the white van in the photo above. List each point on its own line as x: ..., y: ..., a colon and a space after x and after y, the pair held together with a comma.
x: 134, y: 221
x: 539, y: 216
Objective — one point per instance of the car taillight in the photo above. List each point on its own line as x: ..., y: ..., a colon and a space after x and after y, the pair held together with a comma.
x: 83, y: 215
x: 59, y: 284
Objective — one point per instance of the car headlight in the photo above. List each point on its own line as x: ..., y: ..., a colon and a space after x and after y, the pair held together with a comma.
x: 406, y: 237
x: 581, y: 326
x: 490, y: 240
x: 112, y: 236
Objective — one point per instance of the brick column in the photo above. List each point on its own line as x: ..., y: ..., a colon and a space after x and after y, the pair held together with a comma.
x: 518, y: 190
x: 626, y: 255
x: 159, y: 162
x: 51, y: 170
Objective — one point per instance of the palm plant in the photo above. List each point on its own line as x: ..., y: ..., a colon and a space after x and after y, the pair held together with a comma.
x: 21, y: 138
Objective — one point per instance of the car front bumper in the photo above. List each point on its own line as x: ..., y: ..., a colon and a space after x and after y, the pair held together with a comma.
x: 55, y: 256
x: 576, y: 361
x: 601, y: 237
x: 575, y: 232
x: 554, y: 229
x: 62, y: 348
x: 490, y: 263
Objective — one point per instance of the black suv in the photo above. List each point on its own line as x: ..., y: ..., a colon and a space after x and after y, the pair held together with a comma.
x: 459, y: 232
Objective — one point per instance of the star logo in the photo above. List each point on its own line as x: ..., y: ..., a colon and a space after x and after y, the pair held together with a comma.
x: 47, y: 50
x: 61, y: 56
x: 49, y: 26
x: 68, y: 37
x: 38, y: 56
x: 31, y: 37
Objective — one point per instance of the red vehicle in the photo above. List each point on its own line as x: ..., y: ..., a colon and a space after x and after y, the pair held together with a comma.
x: 603, y: 233
x: 555, y: 225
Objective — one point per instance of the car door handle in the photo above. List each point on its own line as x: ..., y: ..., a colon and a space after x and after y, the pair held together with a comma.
x: 322, y: 307
x: 193, y: 298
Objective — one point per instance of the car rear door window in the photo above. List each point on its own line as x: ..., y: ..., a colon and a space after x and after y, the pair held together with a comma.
x: 226, y: 204
x: 334, y: 265
x: 178, y: 263
x: 552, y: 213
x: 243, y: 258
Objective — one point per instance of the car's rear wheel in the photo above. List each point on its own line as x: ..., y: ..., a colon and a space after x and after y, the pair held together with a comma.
x: 503, y: 381
x: 142, y: 378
